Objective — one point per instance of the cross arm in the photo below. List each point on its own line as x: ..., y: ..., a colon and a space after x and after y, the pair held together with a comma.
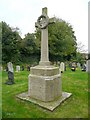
x: 52, y: 20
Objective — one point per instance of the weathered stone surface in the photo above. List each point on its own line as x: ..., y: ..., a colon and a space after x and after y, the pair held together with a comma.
x: 10, y: 74
x: 62, y: 66
x: 44, y: 71
x: 78, y: 65
x: 17, y: 68
x: 42, y: 23
x: 48, y: 105
x: 88, y: 66
x: 44, y: 83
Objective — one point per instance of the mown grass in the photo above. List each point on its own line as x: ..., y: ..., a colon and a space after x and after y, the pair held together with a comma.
x: 74, y: 107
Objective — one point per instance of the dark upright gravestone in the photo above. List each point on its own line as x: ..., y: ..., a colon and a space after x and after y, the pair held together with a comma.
x: 10, y: 74
x: 22, y: 68
x: 28, y: 68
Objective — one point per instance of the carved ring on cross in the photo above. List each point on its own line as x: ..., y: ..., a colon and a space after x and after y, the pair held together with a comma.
x: 43, y: 21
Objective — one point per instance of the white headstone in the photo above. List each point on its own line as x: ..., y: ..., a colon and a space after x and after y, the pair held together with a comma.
x: 10, y: 67
x: 78, y: 64
x: 62, y: 66
x: 17, y: 68
x: 88, y: 66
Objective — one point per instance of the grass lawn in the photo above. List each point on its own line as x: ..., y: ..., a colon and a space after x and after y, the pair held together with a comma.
x: 74, y: 107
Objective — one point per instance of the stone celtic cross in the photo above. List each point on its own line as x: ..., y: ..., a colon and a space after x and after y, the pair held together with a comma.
x: 42, y: 23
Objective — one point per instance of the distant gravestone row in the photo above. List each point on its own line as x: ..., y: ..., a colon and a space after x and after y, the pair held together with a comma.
x: 22, y: 68
x: 62, y: 66
x: 18, y: 68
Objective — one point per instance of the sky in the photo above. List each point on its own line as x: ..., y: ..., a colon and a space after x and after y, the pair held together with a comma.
x: 24, y: 13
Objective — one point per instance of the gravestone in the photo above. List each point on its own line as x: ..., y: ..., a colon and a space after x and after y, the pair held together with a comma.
x: 62, y: 67
x: 22, y: 68
x: 17, y: 68
x: 73, y: 66
x: 78, y: 64
x: 28, y: 68
x: 44, y: 81
x: 83, y: 68
x: 10, y: 74
x: 88, y: 66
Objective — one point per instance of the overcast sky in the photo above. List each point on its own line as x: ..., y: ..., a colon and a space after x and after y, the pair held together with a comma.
x: 24, y: 14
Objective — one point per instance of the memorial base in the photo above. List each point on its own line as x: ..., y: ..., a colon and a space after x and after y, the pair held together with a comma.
x: 45, y: 87
x: 44, y: 83
x: 47, y: 105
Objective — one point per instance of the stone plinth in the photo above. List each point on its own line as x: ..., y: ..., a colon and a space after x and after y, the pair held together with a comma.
x: 44, y: 83
x: 47, y: 105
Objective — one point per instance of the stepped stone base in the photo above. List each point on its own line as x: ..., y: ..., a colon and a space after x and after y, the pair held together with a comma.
x: 47, y: 105
x: 45, y: 87
x: 44, y: 83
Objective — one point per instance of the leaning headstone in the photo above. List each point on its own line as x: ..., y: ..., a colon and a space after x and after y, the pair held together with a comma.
x: 62, y: 67
x: 10, y: 74
x: 44, y: 81
x: 17, y: 68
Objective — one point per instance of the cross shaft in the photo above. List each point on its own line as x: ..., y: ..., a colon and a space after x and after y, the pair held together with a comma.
x: 42, y: 23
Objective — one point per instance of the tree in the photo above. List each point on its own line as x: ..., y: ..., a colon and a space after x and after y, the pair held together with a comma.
x: 28, y: 47
x: 62, y: 41
x: 10, y: 44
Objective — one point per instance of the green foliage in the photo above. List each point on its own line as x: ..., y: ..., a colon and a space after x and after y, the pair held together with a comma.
x: 28, y: 46
x: 10, y: 44
x: 74, y: 107
x: 79, y: 57
x: 28, y: 49
x: 62, y: 41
